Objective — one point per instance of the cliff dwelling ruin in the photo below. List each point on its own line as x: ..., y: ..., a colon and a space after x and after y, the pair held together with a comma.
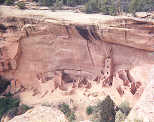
x: 106, y: 55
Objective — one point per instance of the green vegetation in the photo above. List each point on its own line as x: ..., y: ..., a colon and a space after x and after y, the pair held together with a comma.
x: 91, y: 6
x: 8, y: 103
x: 46, y: 2
x: 21, y: 5
x: 104, y: 6
x: 9, y: 106
x: 89, y: 110
x: 109, y: 7
x: 107, y: 111
x: 67, y: 111
x: 9, y: 2
x: 123, y: 112
x: 141, y: 5
x: 3, y: 82
x: 124, y: 108
x: 104, y: 111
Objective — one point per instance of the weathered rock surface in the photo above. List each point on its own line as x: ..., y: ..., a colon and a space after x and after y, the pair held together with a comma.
x: 144, y: 109
x: 9, y: 50
x: 41, y: 114
x: 78, y: 46
x: 129, y: 31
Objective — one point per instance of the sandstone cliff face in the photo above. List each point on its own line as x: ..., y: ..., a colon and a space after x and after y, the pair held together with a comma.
x: 144, y: 109
x: 129, y: 32
x: 78, y: 50
x: 9, y: 49
x: 115, y: 51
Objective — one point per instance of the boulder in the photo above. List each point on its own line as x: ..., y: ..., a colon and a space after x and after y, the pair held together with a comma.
x: 41, y: 114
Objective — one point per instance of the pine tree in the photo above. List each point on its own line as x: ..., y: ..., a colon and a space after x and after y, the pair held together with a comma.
x: 105, y: 110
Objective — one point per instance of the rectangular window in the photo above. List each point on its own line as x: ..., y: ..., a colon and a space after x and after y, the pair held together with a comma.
x: 1, y: 54
x: 3, y: 68
x: 9, y: 66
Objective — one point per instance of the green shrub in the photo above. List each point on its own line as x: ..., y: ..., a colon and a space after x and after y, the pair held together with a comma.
x: 67, y: 111
x: 58, y: 4
x: 9, y: 2
x: 89, y: 110
x: 71, y: 117
x: 3, y: 83
x: 8, y: 95
x: 11, y: 113
x: 46, y: 2
x: 120, y: 117
x: 108, y: 7
x: 141, y: 6
x: 104, y: 111
x: 65, y: 108
x: 91, y: 6
x: 107, y: 111
x: 8, y: 103
x: 125, y: 108
x: 21, y: 5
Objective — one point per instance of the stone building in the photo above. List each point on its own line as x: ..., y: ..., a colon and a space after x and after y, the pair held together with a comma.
x: 9, y: 51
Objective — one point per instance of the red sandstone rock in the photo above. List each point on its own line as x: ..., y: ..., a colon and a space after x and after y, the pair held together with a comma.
x: 133, y: 88
x: 78, y: 49
x: 120, y: 91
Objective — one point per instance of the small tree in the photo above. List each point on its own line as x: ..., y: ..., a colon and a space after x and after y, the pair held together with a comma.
x: 134, y: 6
x: 21, y: 5
x: 58, y: 4
x: 91, y: 6
x: 147, y: 5
x: 46, y: 2
x: 108, y: 7
x: 105, y: 111
x: 125, y: 108
x: 7, y: 104
x: 9, y: 2
x: 89, y: 110
x: 141, y: 6
x: 67, y: 111
x: 3, y: 84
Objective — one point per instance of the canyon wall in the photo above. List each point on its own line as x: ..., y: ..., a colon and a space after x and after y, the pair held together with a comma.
x: 77, y: 49
x: 116, y: 51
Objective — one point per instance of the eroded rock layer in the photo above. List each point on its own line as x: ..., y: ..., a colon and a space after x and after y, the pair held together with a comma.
x: 76, y: 50
x: 116, y: 52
